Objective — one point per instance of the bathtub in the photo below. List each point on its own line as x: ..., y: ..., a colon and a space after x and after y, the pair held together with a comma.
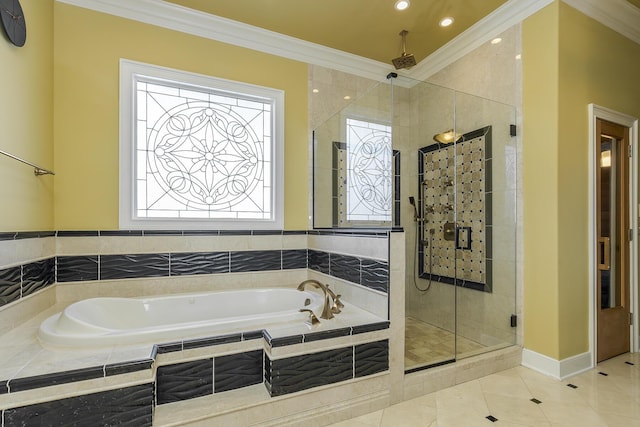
x: 110, y: 321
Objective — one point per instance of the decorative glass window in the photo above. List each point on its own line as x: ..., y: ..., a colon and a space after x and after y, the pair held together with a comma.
x: 369, y: 170
x: 198, y: 152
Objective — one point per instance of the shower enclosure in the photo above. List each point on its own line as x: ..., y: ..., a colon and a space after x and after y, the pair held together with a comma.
x: 442, y: 165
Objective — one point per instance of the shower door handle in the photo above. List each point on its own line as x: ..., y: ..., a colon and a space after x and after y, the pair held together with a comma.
x: 604, y: 253
x: 464, y: 231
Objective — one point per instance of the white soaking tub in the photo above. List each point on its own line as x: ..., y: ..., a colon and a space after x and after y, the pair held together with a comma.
x: 111, y: 321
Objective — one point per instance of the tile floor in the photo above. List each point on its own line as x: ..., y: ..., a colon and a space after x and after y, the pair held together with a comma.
x: 426, y: 344
x: 606, y: 396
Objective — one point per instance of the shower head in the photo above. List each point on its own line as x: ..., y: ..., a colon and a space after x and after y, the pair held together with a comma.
x: 406, y: 60
x: 412, y: 200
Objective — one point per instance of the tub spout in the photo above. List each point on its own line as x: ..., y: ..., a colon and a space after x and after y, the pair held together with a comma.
x: 327, y: 312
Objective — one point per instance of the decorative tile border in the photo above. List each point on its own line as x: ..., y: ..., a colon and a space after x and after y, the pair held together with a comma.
x: 371, y: 273
x: 130, y: 406
x: 182, y: 381
x: 21, y: 281
x: 323, y: 335
x: 297, y: 373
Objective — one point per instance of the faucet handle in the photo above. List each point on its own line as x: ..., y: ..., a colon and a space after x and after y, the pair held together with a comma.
x: 312, y: 320
x: 337, y: 305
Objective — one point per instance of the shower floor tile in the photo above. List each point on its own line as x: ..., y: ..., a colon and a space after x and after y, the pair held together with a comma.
x: 426, y: 344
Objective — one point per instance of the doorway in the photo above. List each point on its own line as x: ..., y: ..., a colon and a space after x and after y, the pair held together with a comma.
x: 613, y: 232
x: 615, y: 223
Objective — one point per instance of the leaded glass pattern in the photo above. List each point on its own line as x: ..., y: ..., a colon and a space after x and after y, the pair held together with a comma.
x: 368, y: 172
x: 201, y: 153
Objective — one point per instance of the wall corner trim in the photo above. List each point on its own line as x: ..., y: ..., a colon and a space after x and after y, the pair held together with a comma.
x: 558, y: 369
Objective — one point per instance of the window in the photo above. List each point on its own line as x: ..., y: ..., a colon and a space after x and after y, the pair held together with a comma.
x: 369, y: 169
x: 198, y: 152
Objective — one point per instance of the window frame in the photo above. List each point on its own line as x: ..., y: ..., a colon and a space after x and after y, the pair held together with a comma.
x: 129, y: 70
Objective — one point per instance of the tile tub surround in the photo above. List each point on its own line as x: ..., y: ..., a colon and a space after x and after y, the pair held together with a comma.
x: 236, y: 359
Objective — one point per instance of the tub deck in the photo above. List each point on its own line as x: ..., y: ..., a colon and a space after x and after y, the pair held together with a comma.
x: 31, y: 373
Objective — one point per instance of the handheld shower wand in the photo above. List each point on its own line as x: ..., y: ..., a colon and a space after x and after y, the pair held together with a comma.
x: 412, y: 201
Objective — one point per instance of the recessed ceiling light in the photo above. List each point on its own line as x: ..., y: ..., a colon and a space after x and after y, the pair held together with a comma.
x: 496, y: 40
x: 518, y: 56
x: 402, y: 4
x: 315, y: 91
x: 445, y: 22
x: 347, y: 97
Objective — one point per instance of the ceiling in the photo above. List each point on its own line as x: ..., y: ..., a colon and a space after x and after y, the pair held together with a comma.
x: 367, y: 28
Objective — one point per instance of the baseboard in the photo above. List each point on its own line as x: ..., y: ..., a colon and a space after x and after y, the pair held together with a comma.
x: 558, y: 369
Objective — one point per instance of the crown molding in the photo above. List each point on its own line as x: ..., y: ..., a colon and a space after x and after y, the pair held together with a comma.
x: 616, y: 14
x: 619, y: 15
x: 178, y: 18
x: 500, y: 20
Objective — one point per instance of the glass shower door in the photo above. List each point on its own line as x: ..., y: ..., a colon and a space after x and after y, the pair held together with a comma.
x: 485, y: 225
x: 422, y: 111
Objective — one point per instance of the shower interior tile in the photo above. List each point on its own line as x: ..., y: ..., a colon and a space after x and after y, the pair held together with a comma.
x: 426, y: 344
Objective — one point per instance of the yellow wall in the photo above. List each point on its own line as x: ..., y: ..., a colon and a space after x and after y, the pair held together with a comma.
x: 88, y: 47
x: 540, y: 175
x: 26, y: 122
x: 594, y: 65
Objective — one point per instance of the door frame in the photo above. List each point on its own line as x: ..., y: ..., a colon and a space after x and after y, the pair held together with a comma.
x: 598, y: 112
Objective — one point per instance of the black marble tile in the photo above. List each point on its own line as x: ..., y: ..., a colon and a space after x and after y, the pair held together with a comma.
x: 38, y: 275
x: 345, y: 267
x: 183, y: 381
x: 55, y: 378
x: 3, y: 387
x: 211, y: 341
x: 238, y: 370
x: 371, y: 358
x: 283, y: 341
x: 252, y: 335
x: 199, y: 263
x: 11, y: 235
x: 21, y: 235
x: 127, y: 407
x: 266, y: 232
x: 235, y: 232
x: 78, y: 233
x: 375, y: 275
x: 126, y: 367
x: 294, y: 232
x: 77, y: 268
x: 124, y: 233
x: 132, y: 266
x: 324, y: 335
x: 162, y: 232
x: 10, y: 284
x: 201, y: 232
x: 169, y: 347
x: 245, y: 261
x: 294, y: 258
x: 298, y: 373
x: 361, y: 329
x: 319, y: 261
